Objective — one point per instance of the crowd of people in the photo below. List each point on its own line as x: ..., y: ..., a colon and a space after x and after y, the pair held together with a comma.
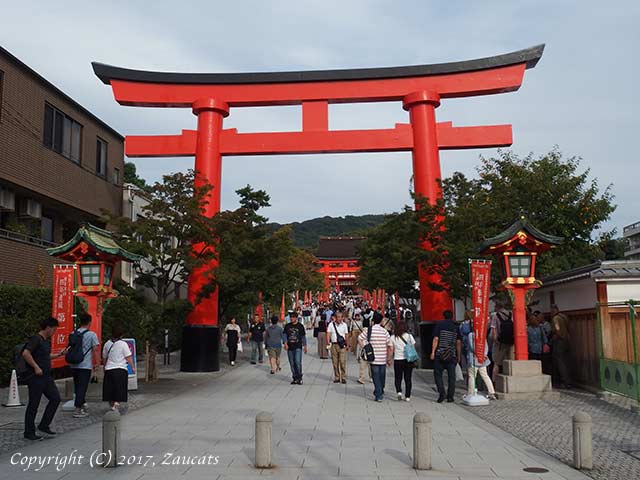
x: 344, y: 328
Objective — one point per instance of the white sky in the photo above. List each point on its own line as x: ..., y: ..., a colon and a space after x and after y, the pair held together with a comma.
x: 581, y: 96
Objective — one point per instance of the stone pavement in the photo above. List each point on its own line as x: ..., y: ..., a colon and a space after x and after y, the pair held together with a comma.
x: 320, y: 430
x: 547, y: 426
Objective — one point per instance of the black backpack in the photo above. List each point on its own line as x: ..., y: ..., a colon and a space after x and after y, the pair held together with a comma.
x: 506, y: 328
x: 75, y: 354
x: 367, y: 353
x: 23, y: 370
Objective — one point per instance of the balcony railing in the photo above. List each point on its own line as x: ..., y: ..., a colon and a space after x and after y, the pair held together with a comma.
x: 629, y: 228
x: 24, y: 238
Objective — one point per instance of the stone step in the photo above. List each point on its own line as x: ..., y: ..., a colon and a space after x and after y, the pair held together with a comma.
x: 515, y: 384
x: 522, y: 368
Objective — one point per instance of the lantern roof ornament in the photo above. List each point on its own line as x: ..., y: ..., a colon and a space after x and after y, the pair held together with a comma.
x: 521, y: 232
x: 89, y: 237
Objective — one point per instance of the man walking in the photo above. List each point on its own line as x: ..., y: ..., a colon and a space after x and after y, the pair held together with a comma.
x: 37, y: 355
x: 446, y: 342
x: 338, y: 333
x: 273, y: 341
x: 256, y: 338
x: 295, y: 341
x: 88, y: 341
x: 380, y: 340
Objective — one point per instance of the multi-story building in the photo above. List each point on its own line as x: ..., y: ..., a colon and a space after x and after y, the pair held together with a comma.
x: 60, y: 165
x: 631, y: 234
x: 338, y: 258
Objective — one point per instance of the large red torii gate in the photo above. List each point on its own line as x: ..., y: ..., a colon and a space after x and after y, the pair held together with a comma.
x: 210, y: 96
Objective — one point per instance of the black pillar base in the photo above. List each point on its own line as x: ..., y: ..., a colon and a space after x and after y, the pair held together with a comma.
x: 426, y: 340
x: 200, y: 348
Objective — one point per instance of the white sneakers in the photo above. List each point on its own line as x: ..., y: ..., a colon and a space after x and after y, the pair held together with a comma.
x: 81, y: 414
x: 233, y: 363
x: 399, y: 396
x: 408, y: 399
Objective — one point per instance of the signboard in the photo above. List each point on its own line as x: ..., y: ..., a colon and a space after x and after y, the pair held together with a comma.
x: 480, y: 286
x: 133, y: 377
x: 62, y: 310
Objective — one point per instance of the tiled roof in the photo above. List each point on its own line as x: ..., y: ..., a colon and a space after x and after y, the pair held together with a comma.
x: 338, y: 247
x: 101, y: 240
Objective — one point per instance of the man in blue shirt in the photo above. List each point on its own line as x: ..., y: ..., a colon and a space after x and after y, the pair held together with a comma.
x: 90, y: 361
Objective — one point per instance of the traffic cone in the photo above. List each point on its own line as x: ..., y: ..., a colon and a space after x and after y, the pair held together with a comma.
x: 14, y: 394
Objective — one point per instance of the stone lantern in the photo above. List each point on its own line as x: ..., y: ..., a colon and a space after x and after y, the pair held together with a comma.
x: 95, y: 253
x: 518, y: 248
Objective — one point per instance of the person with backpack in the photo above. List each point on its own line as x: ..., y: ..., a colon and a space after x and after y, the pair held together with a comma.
x: 36, y: 353
x: 444, y: 347
x: 83, y: 357
x: 501, y: 334
x: 404, y: 359
x: 116, y: 354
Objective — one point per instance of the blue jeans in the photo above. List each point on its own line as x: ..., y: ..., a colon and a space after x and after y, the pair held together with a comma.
x: 295, y: 362
x: 257, y: 351
x: 378, y: 374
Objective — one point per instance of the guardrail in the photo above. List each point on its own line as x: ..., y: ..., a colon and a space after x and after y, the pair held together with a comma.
x: 24, y: 238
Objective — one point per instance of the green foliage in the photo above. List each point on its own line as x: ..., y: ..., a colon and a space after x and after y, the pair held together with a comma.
x: 131, y: 176
x: 391, y: 253
x: 307, y: 234
x: 254, y: 258
x: 173, y: 222
x: 555, y: 195
x: 21, y: 309
x: 144, y: 320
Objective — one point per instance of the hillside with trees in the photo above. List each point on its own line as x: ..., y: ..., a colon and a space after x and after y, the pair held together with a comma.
x: 306, y: 234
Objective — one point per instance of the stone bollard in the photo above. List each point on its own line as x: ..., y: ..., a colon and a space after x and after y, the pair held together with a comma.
x: 110, y: 437
x: 422, y: 441
x: 263, y: 439
x: 582, y: 441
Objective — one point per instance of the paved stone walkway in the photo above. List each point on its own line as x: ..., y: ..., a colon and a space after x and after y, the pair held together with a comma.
x: 547, y: 426
x: 321, y: 430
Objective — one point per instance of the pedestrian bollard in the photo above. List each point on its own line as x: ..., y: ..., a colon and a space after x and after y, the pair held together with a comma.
x: 422, y: 441
x: 582, y: 441
x: 263, y: 439
x: 110, y: 438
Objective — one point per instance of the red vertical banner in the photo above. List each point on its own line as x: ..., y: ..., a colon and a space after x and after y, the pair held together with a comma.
x: 62, y: 310
x: 480, y: 286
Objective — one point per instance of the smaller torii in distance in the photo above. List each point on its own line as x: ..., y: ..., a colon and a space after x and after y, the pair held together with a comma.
x: 211, y: 96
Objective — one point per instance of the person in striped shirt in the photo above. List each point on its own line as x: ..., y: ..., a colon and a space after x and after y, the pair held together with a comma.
x: 383, y: 354
x: 445, y: 350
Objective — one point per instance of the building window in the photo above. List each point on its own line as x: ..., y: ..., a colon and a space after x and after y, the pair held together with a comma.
x: 101, y: 157
x: 116, y: 176
x: 46, y: 229
x: 62, y: 134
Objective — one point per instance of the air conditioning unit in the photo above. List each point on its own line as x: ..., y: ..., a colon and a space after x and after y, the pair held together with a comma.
x: 7, y: 200
x: 30, y: 208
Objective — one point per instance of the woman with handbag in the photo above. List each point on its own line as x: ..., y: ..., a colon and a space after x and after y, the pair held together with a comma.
x: 402, y: 368
x: 116, y: 355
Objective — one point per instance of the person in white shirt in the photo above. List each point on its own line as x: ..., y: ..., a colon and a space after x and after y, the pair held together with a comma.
x: 402, y: 368
x: 382, y: 350
x: 116, y: 355
x: 338, y: 336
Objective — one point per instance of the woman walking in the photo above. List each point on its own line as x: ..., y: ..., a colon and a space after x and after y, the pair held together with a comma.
x: 115, y: 356
x: 401, y: 368
x: 232, y: 332
x: 475, y: 367
x: 322, y: 338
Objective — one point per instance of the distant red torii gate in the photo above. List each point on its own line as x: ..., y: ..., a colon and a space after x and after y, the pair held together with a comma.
x: 210, y: 96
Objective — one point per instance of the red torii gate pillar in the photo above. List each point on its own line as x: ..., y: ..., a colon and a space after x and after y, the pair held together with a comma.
x: 426, y: 183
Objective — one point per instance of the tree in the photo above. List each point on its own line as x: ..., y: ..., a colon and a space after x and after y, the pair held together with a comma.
x: 552, y: 191
x: 131, y: 176
x: 172, y: 224
x: 255, y: 259
x: 391, y: 253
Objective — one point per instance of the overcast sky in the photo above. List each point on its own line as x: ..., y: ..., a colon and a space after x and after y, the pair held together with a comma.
x: 581, y: 96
